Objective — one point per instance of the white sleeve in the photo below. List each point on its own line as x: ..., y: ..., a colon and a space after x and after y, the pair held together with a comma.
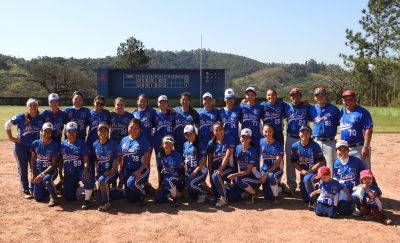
x: 8, y: 125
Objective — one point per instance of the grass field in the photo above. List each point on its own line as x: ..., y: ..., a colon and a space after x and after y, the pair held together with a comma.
x: 386, y: 120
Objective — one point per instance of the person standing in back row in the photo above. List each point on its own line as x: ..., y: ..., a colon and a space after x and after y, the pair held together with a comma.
x: 356, y: 128
x: 326, y: 120
x: 297, y: 115
x: 252, y: 113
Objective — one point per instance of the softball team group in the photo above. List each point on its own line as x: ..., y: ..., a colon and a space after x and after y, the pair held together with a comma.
x: 240, y: 149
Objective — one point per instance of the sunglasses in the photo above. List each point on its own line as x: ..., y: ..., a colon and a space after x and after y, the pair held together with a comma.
x: 100, y: 104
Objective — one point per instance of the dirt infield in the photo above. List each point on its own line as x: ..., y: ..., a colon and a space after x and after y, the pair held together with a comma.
x: 24, y: 220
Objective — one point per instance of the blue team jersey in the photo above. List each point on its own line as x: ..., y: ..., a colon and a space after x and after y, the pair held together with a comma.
x: 244, y: 159
x: 26, y: 133
x: 181, y: 120
x: 171, y: 164
x: 219, y: 150
x: 95, y: 120
x: 80, y: 117
x: 230, y: 119
x: 330, y: 192
x: 373, y: 202
x: 269, y: 152
x: 306, y: 155
x: 163, y: 124
x: 296, y: 117
x: 326, y: 120
x: 44, y: 153
x: 251, y: 116
x: 206, y: 120
x: 146, y: 118
x: 119, y: 124
x: 349, y: 174
x: 354, y: 124
x: 191, y: 160
x: 106, y: 155
x: 73, y: 155
x: 57, y: 120
x: 274, y: 114
x: 132, y: 152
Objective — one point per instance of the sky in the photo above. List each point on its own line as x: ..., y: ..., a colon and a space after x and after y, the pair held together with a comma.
x: 288, y: 31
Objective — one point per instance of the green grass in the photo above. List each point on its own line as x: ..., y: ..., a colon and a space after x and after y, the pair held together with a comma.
x: 386, y: 120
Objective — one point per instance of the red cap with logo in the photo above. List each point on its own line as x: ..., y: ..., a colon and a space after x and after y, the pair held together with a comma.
x: 295, y: 91
x: 323, y: 170
x: 348, y: 93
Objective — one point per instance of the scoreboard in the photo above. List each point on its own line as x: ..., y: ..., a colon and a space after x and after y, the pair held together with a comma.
x: 130, y: 83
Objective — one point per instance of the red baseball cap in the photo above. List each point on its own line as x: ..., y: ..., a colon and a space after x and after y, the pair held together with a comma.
x: 319, y: 90
x: 323, y: 170
x: 295, y: 91
x: 348, y: 93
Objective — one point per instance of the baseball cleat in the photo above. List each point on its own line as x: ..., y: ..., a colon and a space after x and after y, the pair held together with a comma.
x: 86, y: 205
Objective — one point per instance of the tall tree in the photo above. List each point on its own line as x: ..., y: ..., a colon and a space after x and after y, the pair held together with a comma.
x: 336, y: 80
x: 131, y: 54
x: 375, y: 46
x: 61, y: 79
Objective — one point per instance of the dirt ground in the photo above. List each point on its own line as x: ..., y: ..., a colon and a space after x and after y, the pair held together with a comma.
x: 23, y: 220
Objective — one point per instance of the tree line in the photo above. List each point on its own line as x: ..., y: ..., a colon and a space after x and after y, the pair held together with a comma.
x: 373, y: 70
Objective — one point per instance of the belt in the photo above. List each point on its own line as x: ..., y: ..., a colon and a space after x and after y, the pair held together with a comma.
x: 293, y: 136
x: 324, y: 139
x: 355, y: 145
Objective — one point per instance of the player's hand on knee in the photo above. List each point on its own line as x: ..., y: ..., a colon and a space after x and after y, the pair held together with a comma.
x: 85, y: 175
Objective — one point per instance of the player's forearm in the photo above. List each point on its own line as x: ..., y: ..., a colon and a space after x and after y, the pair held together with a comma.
x: 315, y: 167
x: 276, y: 165
x: 146, y: 162
x: 368, y: 136
x: 297, y: 166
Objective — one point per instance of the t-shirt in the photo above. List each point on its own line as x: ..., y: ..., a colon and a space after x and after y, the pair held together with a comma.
x: 73, y: 155
x: 132, y: 152
x: 269, y: 152
x: 329, y: 192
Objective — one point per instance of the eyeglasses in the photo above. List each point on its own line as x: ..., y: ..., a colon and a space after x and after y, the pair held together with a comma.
x: 100, y: 104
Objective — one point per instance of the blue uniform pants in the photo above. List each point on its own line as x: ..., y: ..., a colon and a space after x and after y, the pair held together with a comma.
x: 46, y: 187
x: 23, y: 157
x: 193, y: 184
x: 104, y: 184
x: 217, y: 181
x: 273, y: 178
x: 71, y: 182
x: 133, y: 187
x: 242, y: 182
x: 169, y: 182
x: 307, y: 186
x: 330, y: 210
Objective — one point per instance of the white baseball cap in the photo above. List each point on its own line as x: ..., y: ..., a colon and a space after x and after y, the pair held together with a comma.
x: 47, y: 125
x: 162, y: 97
x: 188, y: 128
x: 168, y: 138
x: 341, y: 143
x: 229, y: 93
x: 53, y: 96
x: 207, y: 95
x: 251, y: 89
x: 246, y: 132
x: 71, y: 126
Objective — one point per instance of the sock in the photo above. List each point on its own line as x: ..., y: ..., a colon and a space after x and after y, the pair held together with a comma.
x: 88, y: 194
x: 275, y: 190
x: 173, y: 191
